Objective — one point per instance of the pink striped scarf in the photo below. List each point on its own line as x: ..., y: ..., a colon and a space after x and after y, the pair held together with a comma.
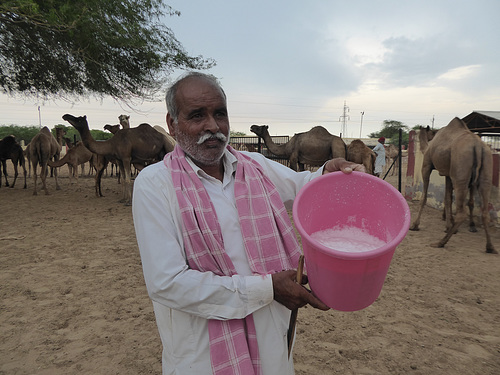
x: 269, y: 239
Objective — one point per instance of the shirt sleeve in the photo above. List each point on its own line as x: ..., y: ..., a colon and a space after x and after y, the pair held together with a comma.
x: 168, y: 278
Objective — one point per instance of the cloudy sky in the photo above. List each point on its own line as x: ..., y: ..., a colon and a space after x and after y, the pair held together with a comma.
x: 294, y: 64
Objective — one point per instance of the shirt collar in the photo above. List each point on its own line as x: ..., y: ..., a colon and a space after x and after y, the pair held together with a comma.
x: 230, y: 164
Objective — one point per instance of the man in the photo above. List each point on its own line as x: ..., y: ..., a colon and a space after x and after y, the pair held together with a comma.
x: 217, y: 246
x: 379, y: 150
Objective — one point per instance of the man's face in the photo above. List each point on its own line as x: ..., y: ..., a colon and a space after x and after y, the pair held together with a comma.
x: 202, y: 130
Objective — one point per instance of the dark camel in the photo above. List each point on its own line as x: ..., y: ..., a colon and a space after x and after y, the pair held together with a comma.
x: 466, y: 162
x: 10, y: 149
x: 313, y: 147
x: 140, y: 145
x: 360, y: 153
x: 43, y: 147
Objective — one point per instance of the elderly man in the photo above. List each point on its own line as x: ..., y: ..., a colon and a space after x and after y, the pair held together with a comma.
x: 217, y: 245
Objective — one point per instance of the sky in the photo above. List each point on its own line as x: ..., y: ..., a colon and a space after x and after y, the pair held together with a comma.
x: 344, y: 65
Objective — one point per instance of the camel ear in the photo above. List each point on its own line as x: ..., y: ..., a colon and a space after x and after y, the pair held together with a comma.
x: 266, y: 127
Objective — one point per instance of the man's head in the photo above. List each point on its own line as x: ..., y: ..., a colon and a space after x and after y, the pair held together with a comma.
x: 197, y: 117
x: 381, y: 140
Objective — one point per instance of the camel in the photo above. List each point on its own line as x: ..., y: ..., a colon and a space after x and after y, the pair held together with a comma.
x: 360, y: 153
x: 138, y: 145
x: 168, y: 137
x: 112, y: 128
x: 313, y: 147
x: 77, y: 155
x: 391, y: 157
x: 43, y: 147
x: 124, y: 121
x: 10, y: 149
x: 466, y: 162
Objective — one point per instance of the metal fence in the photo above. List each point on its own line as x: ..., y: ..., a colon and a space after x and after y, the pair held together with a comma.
x: 256, y: 144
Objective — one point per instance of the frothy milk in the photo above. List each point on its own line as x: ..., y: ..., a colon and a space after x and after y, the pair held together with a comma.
x: 348, y: 239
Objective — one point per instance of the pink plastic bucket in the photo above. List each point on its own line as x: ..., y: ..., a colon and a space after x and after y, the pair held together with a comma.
x: 349, y: 281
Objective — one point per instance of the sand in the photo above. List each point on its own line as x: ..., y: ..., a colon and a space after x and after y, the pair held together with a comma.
x: 73, y: 299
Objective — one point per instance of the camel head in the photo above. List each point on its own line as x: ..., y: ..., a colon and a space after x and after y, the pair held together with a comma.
x: 124, y: 121
x: 259, y: 130
x: 112, y: 128
x: 79, y: 123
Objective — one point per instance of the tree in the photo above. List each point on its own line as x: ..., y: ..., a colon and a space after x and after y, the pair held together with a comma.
x: 87, y: 48
x: 390, y: 129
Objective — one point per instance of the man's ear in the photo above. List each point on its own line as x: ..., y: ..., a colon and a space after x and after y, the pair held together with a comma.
x: 170, y: 125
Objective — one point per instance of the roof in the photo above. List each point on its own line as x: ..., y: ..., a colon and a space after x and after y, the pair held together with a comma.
x: 483, y: 121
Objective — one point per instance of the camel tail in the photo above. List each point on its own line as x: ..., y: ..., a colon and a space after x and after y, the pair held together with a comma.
x: 477, y: 163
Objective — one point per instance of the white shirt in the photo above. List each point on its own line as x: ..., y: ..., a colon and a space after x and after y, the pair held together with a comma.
x: 184, y: 299
x: 379, y: 149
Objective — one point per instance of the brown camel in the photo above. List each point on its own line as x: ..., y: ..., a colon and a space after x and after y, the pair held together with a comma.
x: 138, y: 145
x: 168, y: 137
x: 43, y: 147
x: 466, y: 162
x: 360, y: 153
x: 77, y: 155
x: 124, y: 121
x: 313, y: 147
x: 391, y: 157
x: 10, y: 149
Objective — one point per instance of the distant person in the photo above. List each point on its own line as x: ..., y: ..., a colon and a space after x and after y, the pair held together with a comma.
x: 217, y: 246
x: 379, y: 150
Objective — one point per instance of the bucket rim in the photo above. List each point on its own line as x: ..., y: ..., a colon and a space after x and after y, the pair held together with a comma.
x: 388, y: 246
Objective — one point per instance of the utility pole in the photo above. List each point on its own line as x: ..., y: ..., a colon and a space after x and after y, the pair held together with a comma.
x: 39, y: 118
x: 361, y: 125
x: 345, y: 117
x: 432, y: 127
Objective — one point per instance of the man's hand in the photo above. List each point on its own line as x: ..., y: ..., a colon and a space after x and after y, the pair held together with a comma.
x: 340, y: 164
x: 293, y: 295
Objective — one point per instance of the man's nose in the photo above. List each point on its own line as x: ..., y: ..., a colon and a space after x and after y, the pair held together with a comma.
x: 212, y: 125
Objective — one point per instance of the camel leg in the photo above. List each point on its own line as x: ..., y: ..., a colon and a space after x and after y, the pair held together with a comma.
x: 294, y: 159
x: 426, y: 176
x: 484, y: 191
x: 4, y: 165
x: 55, y: 175
x: 470, y: 204
x: 98, y: 178
x: 460, y: 195
x: 448, y: 200
x: 125, y: 172
x: 16, y: 173
x: 43, y: 176
x: 34, y: 162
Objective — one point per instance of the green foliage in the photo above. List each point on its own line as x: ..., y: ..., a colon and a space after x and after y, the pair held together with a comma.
x: 237, y: 134
x: 390, y: 129
x: 19, y: 132
x: 118, y: 48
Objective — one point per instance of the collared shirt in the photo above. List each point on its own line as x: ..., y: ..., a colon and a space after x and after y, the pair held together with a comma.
x: 184, y: 299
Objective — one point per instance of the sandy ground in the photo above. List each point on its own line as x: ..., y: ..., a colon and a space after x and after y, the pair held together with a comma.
x: 73, y: 299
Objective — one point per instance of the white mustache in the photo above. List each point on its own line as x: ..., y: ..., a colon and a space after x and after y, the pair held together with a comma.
x: 207, y: 136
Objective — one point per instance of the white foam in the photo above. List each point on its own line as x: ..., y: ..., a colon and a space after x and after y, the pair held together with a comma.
x: 348, y: 239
